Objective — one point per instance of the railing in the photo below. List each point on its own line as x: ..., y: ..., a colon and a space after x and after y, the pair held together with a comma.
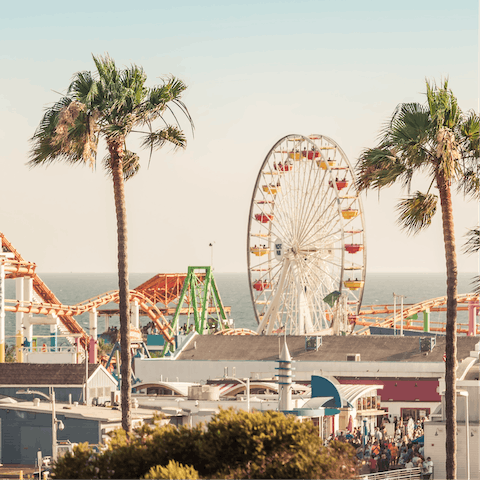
x: 397, y: 474
x: 49, y: 349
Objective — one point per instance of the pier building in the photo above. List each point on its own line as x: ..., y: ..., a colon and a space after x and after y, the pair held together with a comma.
x: 409, y: 376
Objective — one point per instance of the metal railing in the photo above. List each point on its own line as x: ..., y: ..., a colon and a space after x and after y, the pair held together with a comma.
x: 49, y: 349
x: 397, y: 474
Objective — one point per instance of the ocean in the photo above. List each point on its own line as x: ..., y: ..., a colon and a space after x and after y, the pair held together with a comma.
x: 72, y: 288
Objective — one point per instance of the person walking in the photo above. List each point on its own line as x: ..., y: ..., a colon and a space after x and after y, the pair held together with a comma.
x: 427, y: 469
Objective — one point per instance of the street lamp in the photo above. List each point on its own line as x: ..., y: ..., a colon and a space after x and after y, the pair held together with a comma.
x: 464, y: 394
x: 246, y: 385
x: 55, y: 423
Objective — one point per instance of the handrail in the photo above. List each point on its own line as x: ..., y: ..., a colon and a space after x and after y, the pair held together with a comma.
x: 397, y: 474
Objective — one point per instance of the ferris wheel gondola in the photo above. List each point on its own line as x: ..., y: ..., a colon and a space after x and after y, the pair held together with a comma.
x: 306, y: 238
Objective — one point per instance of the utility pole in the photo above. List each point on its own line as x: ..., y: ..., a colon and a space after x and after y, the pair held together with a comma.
x: 211, y: 254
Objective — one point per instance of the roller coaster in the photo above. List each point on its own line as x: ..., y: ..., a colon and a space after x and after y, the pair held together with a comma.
x: 406, y: 317
x: 194, y: 293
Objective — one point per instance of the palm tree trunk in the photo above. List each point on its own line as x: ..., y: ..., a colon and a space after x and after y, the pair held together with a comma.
x: 116, y: 154
x: 451, y: 329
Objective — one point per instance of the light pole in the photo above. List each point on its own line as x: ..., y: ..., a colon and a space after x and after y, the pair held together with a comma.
x: 55, y: 423
x: 211, y: 252
x: 464, y: 394
x: 246, y: 385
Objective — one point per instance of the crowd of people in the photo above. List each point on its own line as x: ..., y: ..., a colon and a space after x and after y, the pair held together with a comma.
x: 379, y: 452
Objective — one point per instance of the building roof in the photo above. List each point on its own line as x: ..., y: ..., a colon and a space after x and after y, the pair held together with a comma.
x: 38, y: 374
x: 102, y: 414
x: 179, y: 388
x: 372, y: 348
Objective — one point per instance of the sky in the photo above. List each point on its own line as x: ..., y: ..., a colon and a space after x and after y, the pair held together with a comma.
x: 256, y: 71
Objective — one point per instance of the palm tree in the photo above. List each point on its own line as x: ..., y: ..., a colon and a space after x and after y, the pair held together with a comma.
x: 111, y: 104
x: 437, y: 141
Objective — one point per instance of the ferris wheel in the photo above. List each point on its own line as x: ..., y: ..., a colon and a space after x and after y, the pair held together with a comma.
x: 306, y: 239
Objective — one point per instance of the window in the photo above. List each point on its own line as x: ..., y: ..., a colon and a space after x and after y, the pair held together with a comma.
x: 415, y: 413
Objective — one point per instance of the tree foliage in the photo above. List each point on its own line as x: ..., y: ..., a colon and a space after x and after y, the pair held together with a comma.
x: 110, y: 105
x: 232, y: 445
x: 173, y: 470
x: 472, y: 245
x: 438, y: 141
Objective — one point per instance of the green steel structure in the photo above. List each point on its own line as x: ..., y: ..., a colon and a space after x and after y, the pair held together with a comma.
x: 200, y: 299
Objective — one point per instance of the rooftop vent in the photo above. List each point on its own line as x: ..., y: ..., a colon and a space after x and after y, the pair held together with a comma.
x: 312, y: 343
x: 427, y: 344
x: 353, y: 357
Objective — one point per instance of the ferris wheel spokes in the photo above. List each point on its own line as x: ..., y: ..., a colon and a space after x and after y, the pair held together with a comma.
x: 297, y: 213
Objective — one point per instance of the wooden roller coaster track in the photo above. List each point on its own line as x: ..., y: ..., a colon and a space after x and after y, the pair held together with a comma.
x: 438, y: 304
x: 163, y: 289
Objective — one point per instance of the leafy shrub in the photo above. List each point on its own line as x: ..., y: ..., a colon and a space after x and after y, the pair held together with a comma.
x: 233, y: 445
x: 263, y: 441
x: 173, y: 470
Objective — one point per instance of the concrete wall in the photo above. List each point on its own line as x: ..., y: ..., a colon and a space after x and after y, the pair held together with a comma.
x: 153, y: 369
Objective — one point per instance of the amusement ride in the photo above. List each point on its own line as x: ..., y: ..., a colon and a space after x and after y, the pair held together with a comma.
x: 306, y: 256
x: 306, y: 239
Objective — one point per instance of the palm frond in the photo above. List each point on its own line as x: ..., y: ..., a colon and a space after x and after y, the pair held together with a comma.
x: 476, y: 284
x: 109, y: 103
x: 469, y: 182
x: 158, y: 97
x: 470, y: 135
x: 130, y: 165
x: 159, y: 138
x: 409, y: 132
x: 472, y: 245
x: 84, y: 88
x: 62, y: 135
x: 443, y: 105
x: 378, y: 168
x: 416, y: 212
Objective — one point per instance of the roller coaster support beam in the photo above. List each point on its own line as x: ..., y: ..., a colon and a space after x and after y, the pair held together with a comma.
x: 53, y: 334
x: 19, y: 289
x: 93, y: 322
x: 426, y: 320
x: 28, y: 297
x: 472, y: 318
x: 193, y: 296
x: 135, y: 313
x: 181, y: 299
x: 206, y: 295
x: 3, y: 258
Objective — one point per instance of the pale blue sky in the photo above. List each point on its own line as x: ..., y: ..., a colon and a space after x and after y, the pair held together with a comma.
x: 256, y: 71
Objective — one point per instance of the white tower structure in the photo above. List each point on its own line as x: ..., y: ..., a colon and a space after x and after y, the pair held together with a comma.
x: 284, y: 379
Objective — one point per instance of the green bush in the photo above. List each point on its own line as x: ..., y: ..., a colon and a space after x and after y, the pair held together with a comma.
x: 173, y: 470
x: 260, y: 442
x: 233, y: 445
